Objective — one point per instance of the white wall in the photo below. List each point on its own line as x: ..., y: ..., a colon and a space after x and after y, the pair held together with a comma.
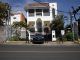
x: 44, y: 18
x: 15, y: 20
x: 53, y: 5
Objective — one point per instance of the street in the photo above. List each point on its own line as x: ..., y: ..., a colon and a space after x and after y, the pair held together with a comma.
x: 39, y: 52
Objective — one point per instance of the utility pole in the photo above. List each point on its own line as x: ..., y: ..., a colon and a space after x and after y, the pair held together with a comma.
x: 72, y: 24
x: 74, y: 14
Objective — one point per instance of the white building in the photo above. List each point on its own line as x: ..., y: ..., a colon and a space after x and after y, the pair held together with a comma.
x: 40, y: 15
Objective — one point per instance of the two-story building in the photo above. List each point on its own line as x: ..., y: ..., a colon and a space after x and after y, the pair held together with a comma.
x: 17, y: 17
x: 40, y: 15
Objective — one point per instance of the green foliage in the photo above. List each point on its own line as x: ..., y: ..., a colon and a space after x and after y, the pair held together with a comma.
x: 57, y: 24
x: 4, y: 7
x: 17, y: 26
x: 32, y: 29
x: 3, y: 10
x: 39, y: 29
x: 14, y: 38
x: 23, y: 39
x: 69, y: 36
x: 79, y: 27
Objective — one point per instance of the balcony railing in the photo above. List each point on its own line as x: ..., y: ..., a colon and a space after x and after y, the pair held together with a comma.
x: 31, y: 14
x: 46, y: 14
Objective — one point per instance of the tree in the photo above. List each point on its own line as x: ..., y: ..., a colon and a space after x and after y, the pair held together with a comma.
x: 46, y: 30
x: 4, y: 7
x: 79, y: 27
x: 19, y: 25
x: 57, y: 24
x: 16, y: 27
x: 68, y: 28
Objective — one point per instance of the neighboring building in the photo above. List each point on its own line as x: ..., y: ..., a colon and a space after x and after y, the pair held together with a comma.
x: 17, y: 17
x: 40, y: 15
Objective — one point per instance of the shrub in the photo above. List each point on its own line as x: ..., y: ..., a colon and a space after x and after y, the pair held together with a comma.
x: 24, y: 39
x: 14, y: 38
x: 69, y: 36
x: 32, y: 29
x: 39, y: 29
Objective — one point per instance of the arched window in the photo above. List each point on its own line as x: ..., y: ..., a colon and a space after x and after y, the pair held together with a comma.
x: 39, y: 25
x: 53, y: 13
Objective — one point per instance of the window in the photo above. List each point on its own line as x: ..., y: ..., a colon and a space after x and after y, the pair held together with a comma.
x: 31, y: 12
x: 14, y: 17
x: 53, y: 36
x: 38, y: 12
x: 53, y: 12
x: 31, y: 26
x: 46, y: 12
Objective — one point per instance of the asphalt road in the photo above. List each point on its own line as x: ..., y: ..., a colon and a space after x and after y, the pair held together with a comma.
x: 39, y: 52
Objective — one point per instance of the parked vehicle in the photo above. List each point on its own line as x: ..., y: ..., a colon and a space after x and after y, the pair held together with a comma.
x: 48, y: 37
x: 38, y: 38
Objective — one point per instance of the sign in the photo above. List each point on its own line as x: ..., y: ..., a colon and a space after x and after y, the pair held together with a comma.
x: 53, y: 35
x: 62, y: 32
x: 23, y: 33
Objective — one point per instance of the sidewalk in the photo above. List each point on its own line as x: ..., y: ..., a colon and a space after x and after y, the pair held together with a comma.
x: 2, y: 41
x: 67, y: 43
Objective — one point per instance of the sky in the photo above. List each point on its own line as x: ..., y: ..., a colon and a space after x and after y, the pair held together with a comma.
x: 63, y: 5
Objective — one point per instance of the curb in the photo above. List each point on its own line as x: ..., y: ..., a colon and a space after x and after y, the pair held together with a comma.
x: 77, y: 42
x: 45, y: 44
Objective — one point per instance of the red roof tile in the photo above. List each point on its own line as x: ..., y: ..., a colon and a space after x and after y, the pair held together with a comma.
x: 37, y: 5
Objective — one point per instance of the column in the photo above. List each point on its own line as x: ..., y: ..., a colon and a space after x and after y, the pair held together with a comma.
x: 27, y: 13
x: 42, y: 12
x: 35, y: 12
